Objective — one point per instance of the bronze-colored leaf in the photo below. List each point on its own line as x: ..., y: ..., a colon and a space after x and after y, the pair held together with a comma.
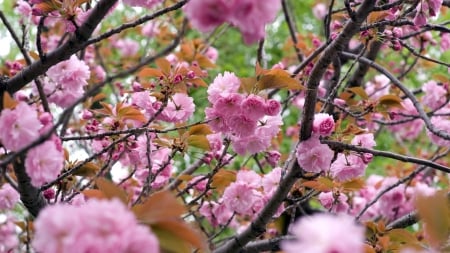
x: 8, y: 101
x: 150, y: 72
x: 111, y: 190
x: 159, y: 206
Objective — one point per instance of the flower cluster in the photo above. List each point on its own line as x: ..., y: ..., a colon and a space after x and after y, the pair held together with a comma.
x: 96, y: 226
x: 250, y: 121
x: 246, y: 196
x: 323, y: 233
x: 250, y: 16
x: 66, y: 81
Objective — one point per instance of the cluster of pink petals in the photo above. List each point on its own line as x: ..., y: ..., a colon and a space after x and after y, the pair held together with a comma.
x: 66, y: 81
x: 19, y: 127
x: 250, y: 16
x: 410, y: 129
x: 314, y: 156
x: 334, y: 203
x: 435, y: 95
x: 323, y: 124
x: 441, y: 124
x: 393, y: 204
x: 96, y: 226
x: 179, y: 108
x: 251, y: 121
x: 325, y: 233
x: 44, y: 162
x: 425, y: 9
x: 8, y: 197
x: 246, y: 196
x: 8, y: 236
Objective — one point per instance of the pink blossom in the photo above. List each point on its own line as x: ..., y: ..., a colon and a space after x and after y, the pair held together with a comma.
x: 145, y: 101
x: 179, y: 108
x: 8, y: 237
x: 216, y: 214
x: 249, y: 177
x: 216, y: 120
x: 242, y: 124
x: 43, y: 163
x: 97, y: 226
x: 420, y: 19
x: 320, y: 10
x: 240, y: 198
x: 8, y: 197
x: 151, y: 28
x: 347, y: 167
x: 324, y: 233
x: 205, y: 15
x: 445, y: 41
x: 273, y: 107
x: 250, y: 144
x: 435, y: 95
x: 323, y: 124
x: 378, y: 87
x: 212, y: 54
x: 443, y: 125
x: 409, y: 130
x: 72, y: 74
x: 273, y: 157
x: 251, y: 16
x: 364, y: 140
x: 222, y: 85
x: 127, y: 47
x: 253, y: 106
x: 335, y: 204
x: 215, y: 142
x: 271, y: 180
x: 19, y: 127
x: 142, y: 3
x: 314, y: 156
x: 228, y: 105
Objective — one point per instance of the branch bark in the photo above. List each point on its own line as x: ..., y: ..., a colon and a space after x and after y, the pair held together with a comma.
x: 73, y: 45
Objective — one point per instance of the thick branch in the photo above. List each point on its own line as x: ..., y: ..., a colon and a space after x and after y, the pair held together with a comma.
x: 73, y: 45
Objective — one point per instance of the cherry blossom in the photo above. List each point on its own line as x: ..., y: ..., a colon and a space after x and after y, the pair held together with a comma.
x: 44, y: 162
x: 97, y: 226
x: 313, y: 156
x: 20, y: 126
x: 318, y: 234
x: 8, y: 197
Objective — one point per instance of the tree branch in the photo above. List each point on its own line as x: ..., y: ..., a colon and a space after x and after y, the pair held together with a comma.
x: 73, y: 45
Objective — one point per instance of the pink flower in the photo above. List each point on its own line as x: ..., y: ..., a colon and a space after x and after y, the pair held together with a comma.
x: 19, y: 127
x: 179, y: 108
x: 324, y: 233
x: 364, y: 140
x: 8, y: 197
x: 347, y: 167
x: 43, y: 163
x: 249, y: 177
x: 240, y: 198
x: 273, y: 107
x: 216, y: 214
x: 251, y: 16
x: 271, y: 180
x: 273, y: 157
x: 66, y: 82
x: 97, y: 226
x: 435, y: 95
x: 127, y: 47
x: 250, y: 144
x: 443, y: 125
x: 335, y: 204
x: 205, y: 15
x: 242, y: 124
x: 229, y: 104
x: 222, y: 85
x: 142, y: 3
x: 323, y: 124
x: 72, y: 74
x: 254, y: 107
x: 216, y: 120
x: 320, y: 10
x: 420, y: 19
x: 445, y: 41
x: 314, y: 156
x: 8, y: 236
